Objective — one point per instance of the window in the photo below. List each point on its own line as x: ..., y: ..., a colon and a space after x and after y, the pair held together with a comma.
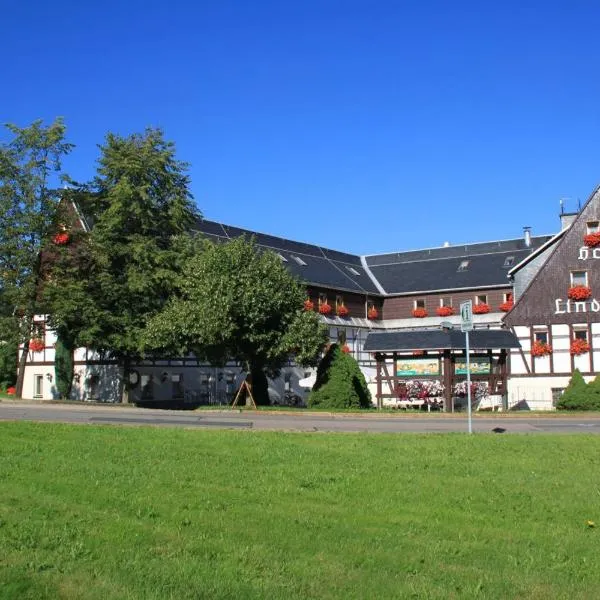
x: 481, y: 299
x: 299, y: 260
x: 509, y: 261
x: 446, y: 301
x: 38, y: 385
x: 322, y: 299
x: 176, y: 385
x: 541, y: 336
x: 593, y: 226
x: 464, y: 264
x: 578, y: 278
x: 580, y: 334
x: 508, y: 297
x: 339, y: 301
x: 352, y: 270
x: 282, y: 257
x: 420, y: 303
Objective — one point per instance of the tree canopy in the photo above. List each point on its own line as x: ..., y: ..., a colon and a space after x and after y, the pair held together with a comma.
x: 236, y: 302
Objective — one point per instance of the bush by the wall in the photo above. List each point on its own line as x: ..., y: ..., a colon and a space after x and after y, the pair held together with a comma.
x: 340, y: 382
x: 579, y: 395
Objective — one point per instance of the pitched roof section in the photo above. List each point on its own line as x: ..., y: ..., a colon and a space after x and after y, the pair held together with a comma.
x: 312, y: 264
x: 469, y: 266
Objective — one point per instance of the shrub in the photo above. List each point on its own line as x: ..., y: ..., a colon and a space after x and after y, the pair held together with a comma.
x: 579, y: 395
x: 340, y: 382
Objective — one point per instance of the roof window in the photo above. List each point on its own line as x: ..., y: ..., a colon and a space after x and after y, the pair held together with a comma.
x: 282, y: 257
x: 299, y: 260
x: 509, y: 261
x: 352, y: 270
x: 464, y: 264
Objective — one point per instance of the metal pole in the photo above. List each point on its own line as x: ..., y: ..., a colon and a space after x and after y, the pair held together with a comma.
x: 468, y: 382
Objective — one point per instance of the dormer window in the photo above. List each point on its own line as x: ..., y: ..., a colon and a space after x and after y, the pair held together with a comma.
x: 299, y: 260
x: 463, y: 266
x: 509, y: 261
x: 481, y: 299
x: 419, y: 303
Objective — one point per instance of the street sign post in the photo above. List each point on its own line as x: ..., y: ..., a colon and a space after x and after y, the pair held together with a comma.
x: 466, y: 325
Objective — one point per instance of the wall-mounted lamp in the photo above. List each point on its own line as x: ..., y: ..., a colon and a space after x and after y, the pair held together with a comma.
x: 49, y: 376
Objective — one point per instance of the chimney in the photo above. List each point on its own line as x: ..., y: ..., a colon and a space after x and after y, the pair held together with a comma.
x: 527, y: 236
x: 566, y: 218
x: 446, y: 245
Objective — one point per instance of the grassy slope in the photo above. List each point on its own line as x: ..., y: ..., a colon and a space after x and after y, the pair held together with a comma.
x: 117, y: 513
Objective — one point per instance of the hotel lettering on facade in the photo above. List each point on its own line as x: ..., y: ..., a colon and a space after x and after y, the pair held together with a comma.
x: 537, y: 296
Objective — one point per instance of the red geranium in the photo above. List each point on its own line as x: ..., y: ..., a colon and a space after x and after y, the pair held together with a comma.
x: 419, y: 313
x: 592, y: 240
x: 481, y: 309
x: 579, y: 347
x: 308, y: 304
x: 325, y: 308
x: 346, y: 349
x: 579, y: 292
x: 444, y: 311
x: 372, y: 313
x: 11, y: 391
x: 60, y: 239
x: 506, y: 306
x: 342, y: 311
x: 36, y: 345
x: 540, y: 348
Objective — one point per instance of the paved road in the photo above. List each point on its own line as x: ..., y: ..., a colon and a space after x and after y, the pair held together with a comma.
x: 226, y: 419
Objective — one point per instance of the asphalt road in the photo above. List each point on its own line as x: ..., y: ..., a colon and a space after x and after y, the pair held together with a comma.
x: 228, y: 419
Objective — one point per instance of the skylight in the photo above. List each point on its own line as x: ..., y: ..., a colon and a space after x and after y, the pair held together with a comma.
x: 508, y: 261
x: 352, y: 270
x: 463, y: 265
x: 282, y: 257
x: 299, y: 260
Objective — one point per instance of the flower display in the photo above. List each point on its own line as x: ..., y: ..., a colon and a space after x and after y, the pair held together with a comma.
x: 579, y: 292
x: 60, y: 239
x: 444, y: 311
x: 36, y: 345
x: 325, y: 308
x: 481, y: 309
x: 308, y: 304
x: 419, y: 313
x: 506, y: 306
x: 420, y: 388
x: 579, y: 347
x: 11, y: 391
x: 372, y: 313
x: 346, y: 349
x: 479, y: 389
x: 592, y: 240
x: 540, y: 348
x: 342, y: 311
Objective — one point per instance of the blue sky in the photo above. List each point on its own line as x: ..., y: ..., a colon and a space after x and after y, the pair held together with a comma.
x: 365, y: 126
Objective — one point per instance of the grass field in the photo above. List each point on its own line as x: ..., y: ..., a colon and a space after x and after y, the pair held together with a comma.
x: 118, y: 513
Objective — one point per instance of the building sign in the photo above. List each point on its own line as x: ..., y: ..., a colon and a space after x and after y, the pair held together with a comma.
x: 416, y: 367
x: 478, y: 365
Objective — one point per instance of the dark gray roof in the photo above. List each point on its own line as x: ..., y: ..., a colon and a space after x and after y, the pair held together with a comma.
x: 437, y: 269
x: 437, y: 339
x: 323, y: 267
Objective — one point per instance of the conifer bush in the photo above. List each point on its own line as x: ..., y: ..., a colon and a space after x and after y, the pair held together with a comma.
x: 579, y: 395
x: 340, y: 382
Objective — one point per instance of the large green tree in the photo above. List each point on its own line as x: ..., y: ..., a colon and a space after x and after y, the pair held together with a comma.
x: 30, y: 175
x: 103, y: 291
x: 237, y: 302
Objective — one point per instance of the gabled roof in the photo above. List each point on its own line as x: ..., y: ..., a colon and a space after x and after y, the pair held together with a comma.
x: 468, y: 266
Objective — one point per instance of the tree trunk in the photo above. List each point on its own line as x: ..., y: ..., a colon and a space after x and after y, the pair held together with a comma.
x: 125, y: 387
x: 260, y: 385
x: 21, y: 369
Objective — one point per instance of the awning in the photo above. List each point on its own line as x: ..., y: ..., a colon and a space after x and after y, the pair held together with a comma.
x: 439, y: 339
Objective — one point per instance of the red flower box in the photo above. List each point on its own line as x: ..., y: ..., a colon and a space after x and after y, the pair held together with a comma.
x: 444, y: 311
x: 579, y: 347
x: 325, y: 308
x: 540, y: 349
x: 60, y: 239
x: 372, y: 313
x: 308, y: 304
x: 506, y: 306
x: 346, y: 349
x: 419, y: 313
x: 11, y: 391
x: 342, y: 311
x: 592, y: 240
x: 579, y: 292
x: 36, y: 345
x: 481, y: 309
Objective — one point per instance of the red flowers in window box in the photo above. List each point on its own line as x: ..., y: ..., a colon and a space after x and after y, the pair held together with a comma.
x: 342, y: 311
x: 346, y: 349
x: 579, y: 292
x: 372, y: 313
x: 36, y: 345
x: 506, y: 306
x: 325, y: 308
x: 540, y: 348
x: 444, y: 311
x: 60, y: 239
x: 481, y: 309
x: 579, y: 347
x: 308, y: 304
x: 592, y: 240
x: 420, y: 313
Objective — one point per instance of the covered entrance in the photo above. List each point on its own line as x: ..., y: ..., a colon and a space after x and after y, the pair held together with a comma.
x: 429, y: 365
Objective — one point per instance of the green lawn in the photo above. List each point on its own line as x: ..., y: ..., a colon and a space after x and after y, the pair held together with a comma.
x: 118, y: 513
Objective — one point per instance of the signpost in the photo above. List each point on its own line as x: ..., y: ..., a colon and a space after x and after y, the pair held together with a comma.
x: 466, y: 325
